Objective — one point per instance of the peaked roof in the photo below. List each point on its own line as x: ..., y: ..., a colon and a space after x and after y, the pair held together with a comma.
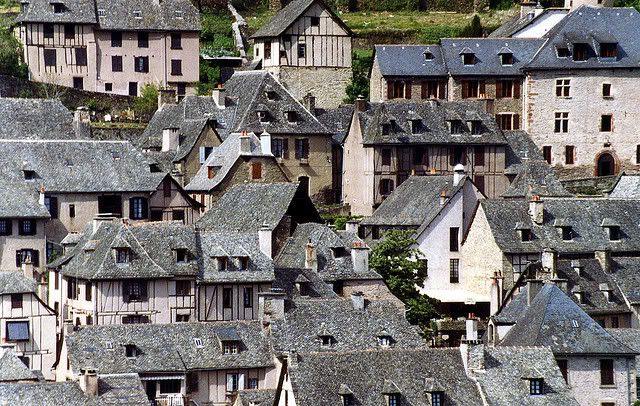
x: 513, y: 27
x: 12, y: 369
x: 627, y: 187
x: 553, y: 320
x: 15, y: 282
x: 536, y: 178
x: 35, y: 119
x: 410, y: 60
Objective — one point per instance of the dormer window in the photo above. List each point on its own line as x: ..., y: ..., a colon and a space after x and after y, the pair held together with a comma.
x: 563, y: 52
x: 122, y: 255
x: 326, y: 340
x: 385, y: 341
x: 181, y: 256
x: 178, y: 14
x: 609, y: 50
x: 606, y: 291
x: 580, y: 52
x: 506, y: 59
x: 271, y: 95
x: 468, y: 57
x: 243, y: 263
x: 428, y: 55
x: 386, y: 129
x: 416, y: 126
x: 137, y: 14
x: 578, y: 294
x: 230, y: 347
x: 525, y: 235
x: 223, y: 263
x: 263, y: 116
x: 101, y: 12
x: 292, y: 117
x: 567, y: 233
x: 437, y: 399
x: 198, y: 342
x: 131, y: 351
x: 29, y: 174
x: 23, y: 6
x: 58, y: 8
x: 536, y: 386
x: 393, y: 399
x: 614, y: 233
x: 476, y: 127
x: 339, y: 252
x: 456, y: 127
x: 211, y: 173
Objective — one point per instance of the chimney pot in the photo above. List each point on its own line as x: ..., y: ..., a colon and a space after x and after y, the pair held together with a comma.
x: 89, y: 382
x: 360, y: 257
x: 219, y: 96
x: 245, y: 143
x: 536, y: 210
x: 265, y: 240
x: 361, y: 104
x: 549, y: 259
x: 265, y: 143
x: 357, y: 298
x: 311, y: 257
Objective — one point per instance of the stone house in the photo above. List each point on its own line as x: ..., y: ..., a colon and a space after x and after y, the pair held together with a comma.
x: 438, y: 209
x: 388, y: 142
x: 71, y: 174
x: 579, y: 93
x: 28, y: 324
x: 595, y: 365
x: 241, y: 158
x: 307, y: 47
x: 111, y: 48
x: 207, y: 363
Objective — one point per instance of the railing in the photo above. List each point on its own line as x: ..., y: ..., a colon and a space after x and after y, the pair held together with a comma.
x: 169, y: 400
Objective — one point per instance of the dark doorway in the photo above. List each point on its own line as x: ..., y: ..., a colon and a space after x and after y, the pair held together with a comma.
x: 151, y: 390
x: 78, y: 83
x: 133, y: 88
x: 606, y: 165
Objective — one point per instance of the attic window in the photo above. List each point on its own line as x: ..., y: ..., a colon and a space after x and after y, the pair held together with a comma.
x: 614, y: 233
x: 263, y: 116
x: 58, y: 8
x: 567, y: 233
x: 178, y: 14
x: 23, y: 6
x: 386, y: 129
x: 506, y: 59
x: 608, y: 50
x: 326, y: 340
x: 315, y: 21
x: 181, y: 256
x: 536, y: 386
x: 230, y: 347
x: 198, y: 342
x: 122, y: 255
x: 271, y: 95
x: 428, y: 56
x: 137, y: 14
x: 131, y: 351
x: 468, y: 59
x: 525, y: 235
x: 580, y: 52
x: 437, y: 399
x: 476, y: 127
x: 101, y: 12
x: 456, y: 127
x: 393, y: 399
x: 223, y: 263
x: 243, y: 263
x: 416, y: 125
x: 563, y: 52
x: 210, y: 172
x: 292, y: 117
x: 339, y: 252
x: 385, y: 341
x: 108, y: 345
x: 29, y: 175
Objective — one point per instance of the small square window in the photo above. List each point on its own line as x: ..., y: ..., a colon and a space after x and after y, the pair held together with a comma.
x: 469, y: 59
x: 606, y: 123
x: 606, y: 90
x: 130, y: 350
x: 137, y: 13
x: 17, y: 331
x: 16, y: 301
x: 506, y: 59
x: 230, y: 347
x: 108, y: 87
x: 122, y: 255
x: 536, y: 386
x: 183, y: 288
x: 315, y: 21
x: 302, y: 50
x: 563, y: 52
x: 182, y: 256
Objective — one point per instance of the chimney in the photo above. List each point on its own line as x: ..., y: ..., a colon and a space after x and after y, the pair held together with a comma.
x: 352, y: 226
x: 526, y: 7
x: 41, y: 196
x: 458, y: 174
x: 536, y: 210
x: 471, y: 329
x: 310, y: 103
x: 245, y: 143
x: 99, y: 219
x: 495, y: 293
x: 219, y: 96
x: 361, y: 104
x: 166, y: 96
x: 265, y: 143
x: 89, y: 382
x: 264, y: 238
x: 357, y: 299
x: 28, y: 269
x: 360, y: 256
x: 270, y: 306
x: 310, y: 257
x: 81, y: 121
x: 169, y: 139
x: 443, y: 197
x: 604, y: 259
x: 577, y: 266
x: 533, y: 287
x: 549, y: 259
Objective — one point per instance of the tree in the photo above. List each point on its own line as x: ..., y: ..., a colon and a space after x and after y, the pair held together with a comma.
x: 359, y: 85
x: 395, y: 259
x: 147, y: 103
x: 474, y: 28
x: 10, y: 55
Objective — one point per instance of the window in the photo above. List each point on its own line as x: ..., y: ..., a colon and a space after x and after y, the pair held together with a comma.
x: 122, y: 255
x: 386, y: 157
x: 280, y: 147
x: 51, y: 203
x: 453, y: 239
x: 433, y: 89
x: 72, y: 211
x: 561, y: 124
x: 386, y: 129
x: 69, y: 31
x: 614, y: 233
x: 292, y: 117
x: 72, y: 289
x: 606, y: 90
x: 267, y: 50
x: 27, y: 227
x: 116, y: 63
x: 454, y: 271
x: 458, y: 156
x: 26, y: 256
x: 116, y: 39
x: 227, y: 298
x: 525, y: 235
x: 563, y: 87
x: 177, y: 215
x: 87, y: 291
x: 615, y: 322
x: 230, y: 347
x: 437, y: 399
x: 398, y: 89
x: 563, y: 52
x: 47, y: 30
x: 416, y: 126
x: 138, y: 208
x: 326, y: 340
x: 473, y: 89
x: 508, y: 121
x: 5, y: 227
x: 181, y: 90
x: 232, y: 383
x: 302, y: 148
x: 135, y: 319
x: 176, y: 67
x: 16, y: 301
x: 170, y: 386
x: 606, y: 372
x: 569, y: 154
x: 182, y: 318
x: 384, y: 341
x: 420, y: 156
x: 183, y: 288
x: 375, y: 232
x: 134, y: 291
x: 256, y: 170
x: 506, y: 59
x: 315, y: 21
x: 133, y: 88
x: 478, y: 156
x: 608, y: 50
x: 564, y: 369
x: 182, y: 256
x: 504, y: 88
x: 394, y: 400
x: 81, y: 56
x: 580, y: 52
x: 141, y: 64
x: 17, y: 331
x: 302, y: 50
x: 606, y: 123
x: 248, y: 297
x: 78, y: 83
x: 469, y: 59
x: 143, y: 40
x: 386, y: 187
x: 536, y: 386
x: 546, y: 153
x: 253, y: 383
x: 176, y: 40
x: 137, y: 14
x: 49, y: 57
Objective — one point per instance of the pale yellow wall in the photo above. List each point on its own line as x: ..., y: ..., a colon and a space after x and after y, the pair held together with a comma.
x: 11, y: 243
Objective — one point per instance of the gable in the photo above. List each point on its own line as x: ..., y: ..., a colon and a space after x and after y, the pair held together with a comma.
x: 330, y: 24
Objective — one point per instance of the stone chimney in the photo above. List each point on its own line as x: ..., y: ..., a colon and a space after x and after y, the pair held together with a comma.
x: 81, y: 122
x: 360, y: 256
x: 604, y: 259
x: 536, y: 210
x: 265, y: 240
x: 352, y: 226
x: 170, y: 139
x: 443, y: 197
x: 357, y: 299
x: 310, y: 103
x: 458, y: 174
x: 549, y: 260
x: 495, y: 293
x: 89, y: 382
x: 310, y: 257
x: 533, y: 287
x: 245, y: 143
x: 265, y: 143
x: 41, y: 196
x: 99, y: 219
x: 360, y: 104
x: 270, y: 307
x: 166, y: 96
x: 28, y: 269
x: 219, y: 96
x: 471, y: 333
x: 527, y: 7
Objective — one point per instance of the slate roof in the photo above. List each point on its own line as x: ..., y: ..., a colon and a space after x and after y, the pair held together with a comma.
x: 627, y: 187
x: 315, y: 287
x: 351, y: 329
x: 247, y: 207
x: 167, y: 347
x: 19, y: 198
x: 535, y: 178
x: 333, y: 251
x: 76, y: 11
x: 592, y: 26
x: 223, y: 159
x: 337, y: 121
x: 625, y: 274
x: 503, y: 379
x: 12, y: 369
x: 487, y: 52
x: 584, y: 215
x: 553, y: 320
x: 317, y: 378
x: 35, y: 119
x: 288, y: 15
x: 121, y: 389
x: 15, y: 282
x: 414, y: 202
x: 256, y: 397
x: 628, y: 336
x: 434, y: 126
x: 43, y: 394
x: 152, y: 251
x: 517, y: 23
x: 409, y: 60
x: 234, y: 245
x: 79, y: 166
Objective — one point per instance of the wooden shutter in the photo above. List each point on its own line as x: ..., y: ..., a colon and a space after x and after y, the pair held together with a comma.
x: 298, y: 149
x: 478, y: 180
x: 423, y: 90
x: 143, y: 289
x: 125, y: 291
x: 285, y: 148
x: 452, y: 157
x: 516, y: 89
x: 478, y: 153
x: 305, y: 148
x: 482, y: 89
x: 35, y: 258
x: 516, y: 122
x: 453, y: 239
x: 465, y: 90
x: 256, y: 170
x: 442, y: 89
x: 498, y: 88
x: 9, y: 225
x: 407, y: 89
x: 131, y: 208
x: 18, y: 259
x: 389, y: 89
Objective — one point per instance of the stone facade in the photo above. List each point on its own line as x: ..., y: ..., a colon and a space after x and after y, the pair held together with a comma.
x: 11, y: 244
x: 190, y: 164
x: 583, y: 378
x: 327, y: 84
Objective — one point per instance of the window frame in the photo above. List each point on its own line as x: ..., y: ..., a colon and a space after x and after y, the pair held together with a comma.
x: 183, y: 288
x: 143, y: 39
x: 607, y: 372
x: 27, y: 227
x: 8, y: 337
x: 6, y: 226
x: 563, y: 88
x: 17, y: 300
x: 116, y: 63
x: 176, y: 40
x: 116, y: 39
x: 176, y: 67
x: 454, y: 270
x: 50, y: 57
x: 608, y: 120
x: 561, y: 122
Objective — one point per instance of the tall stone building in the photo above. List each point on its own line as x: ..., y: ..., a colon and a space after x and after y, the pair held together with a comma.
x: 308, y: 48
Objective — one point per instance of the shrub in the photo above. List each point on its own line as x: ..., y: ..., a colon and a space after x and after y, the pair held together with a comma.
x: 209, y: 77
x: 147, y: 103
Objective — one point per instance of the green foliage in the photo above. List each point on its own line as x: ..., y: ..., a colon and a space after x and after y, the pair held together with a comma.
x: 628, y: 3
x: 10, y: 63
x: 216, y: 34
x: 473, y: 29
x: 636, y: 403
x: 209, y: 77
x: 501, y: 4
x: 339, y: 221
x: 359, y: 86
x: 395, y: 259
x: 388, y: 5
x: 432, y: 34
x: 147, y: 102
x: 100, y: 105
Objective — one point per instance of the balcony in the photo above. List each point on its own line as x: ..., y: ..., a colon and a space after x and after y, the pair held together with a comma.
x: 169, y: 400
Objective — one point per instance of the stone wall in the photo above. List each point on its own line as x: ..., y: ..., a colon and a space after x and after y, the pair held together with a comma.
x: 328, y: 85
x: 584, y: 380
x: 117, y: 134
